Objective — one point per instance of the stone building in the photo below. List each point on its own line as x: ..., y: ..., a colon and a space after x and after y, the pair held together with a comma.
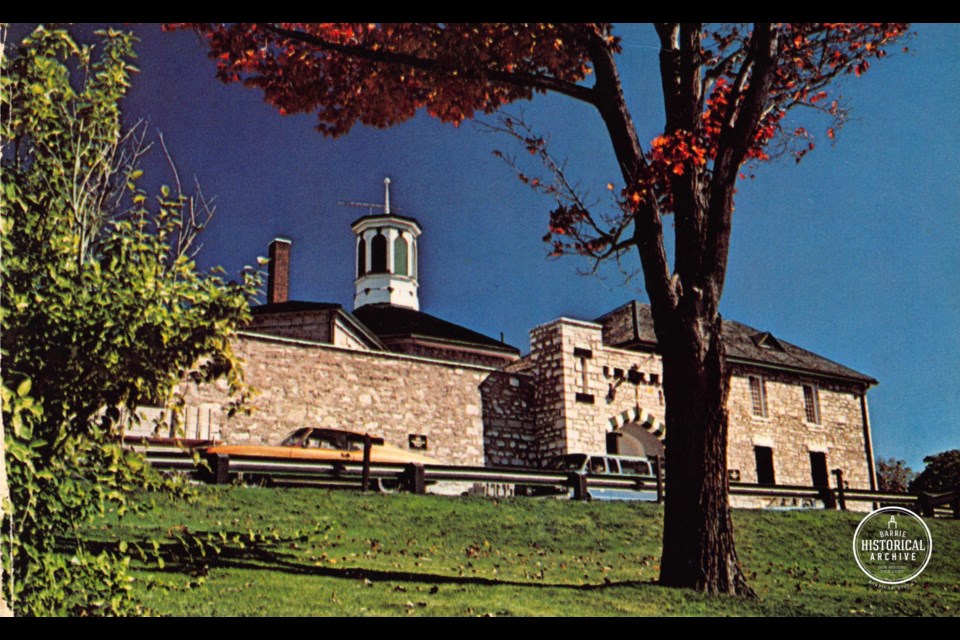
x: 586, y: 386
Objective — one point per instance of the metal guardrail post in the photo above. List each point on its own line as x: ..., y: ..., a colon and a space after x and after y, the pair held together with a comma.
x: 415, y: 478
x: 841, y: 498
x: 579, y: 483
x: 221, y: 469
x: 367, y: 444
x: 659, y: 479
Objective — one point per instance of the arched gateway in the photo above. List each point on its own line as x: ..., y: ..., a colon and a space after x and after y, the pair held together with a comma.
x: 637, y: 433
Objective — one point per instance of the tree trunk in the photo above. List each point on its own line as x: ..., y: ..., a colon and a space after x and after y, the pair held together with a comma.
x: 698, y: 547
x: 5, y: 611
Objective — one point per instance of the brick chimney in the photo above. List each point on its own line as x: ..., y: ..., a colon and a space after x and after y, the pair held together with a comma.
x: 278, y: 277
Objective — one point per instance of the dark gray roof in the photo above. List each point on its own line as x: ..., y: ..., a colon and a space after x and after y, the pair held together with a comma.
x: 291, y: 306
x: 631, y: 326
x: 388, y: 321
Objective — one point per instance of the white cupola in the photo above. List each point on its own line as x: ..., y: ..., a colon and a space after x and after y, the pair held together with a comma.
x: 386, y: 258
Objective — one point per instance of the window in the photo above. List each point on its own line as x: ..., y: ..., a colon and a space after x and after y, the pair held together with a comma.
x: 400, y: 256
x: 583, y: 356
x: 811, y: 403
x: 598, y: 465
x: 321, y: 440
x: 764, y: 457
x: 613, y: 441
x: 378, y: 254
x: 758, y: 395
x: 635, y: 467
x: 767, y: 341
x: 361, y: 258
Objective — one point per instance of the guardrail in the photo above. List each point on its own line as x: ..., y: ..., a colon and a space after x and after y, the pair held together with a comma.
x: 222, y: 469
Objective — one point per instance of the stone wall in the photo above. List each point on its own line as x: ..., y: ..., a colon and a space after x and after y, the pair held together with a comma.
x: 586, y: 389
x: 547, y: 369
x: 840, y: 433
x: 570, y: 392
x: 387, y: 395
x: 509, y: 430
x: 313, y: 325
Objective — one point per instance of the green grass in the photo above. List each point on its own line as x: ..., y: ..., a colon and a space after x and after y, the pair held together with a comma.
x: 287, y: 552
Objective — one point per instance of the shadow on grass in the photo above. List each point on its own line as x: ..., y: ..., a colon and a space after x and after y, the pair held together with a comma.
x: 182, y: 556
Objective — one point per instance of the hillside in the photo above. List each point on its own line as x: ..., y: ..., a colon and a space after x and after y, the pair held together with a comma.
x: 287, y: 552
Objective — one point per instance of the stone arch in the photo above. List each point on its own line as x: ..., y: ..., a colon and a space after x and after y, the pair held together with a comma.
x: 642, y: 432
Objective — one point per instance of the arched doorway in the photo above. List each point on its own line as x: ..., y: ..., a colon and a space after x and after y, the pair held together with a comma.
x: 636, y: 432
x: 636, y: 439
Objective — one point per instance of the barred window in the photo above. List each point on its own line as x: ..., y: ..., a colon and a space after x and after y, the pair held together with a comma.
x: 811, y: 403
x: 758, y: 394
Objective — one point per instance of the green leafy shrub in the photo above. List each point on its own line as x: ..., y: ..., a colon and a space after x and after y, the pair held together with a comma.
x: 103, y: 309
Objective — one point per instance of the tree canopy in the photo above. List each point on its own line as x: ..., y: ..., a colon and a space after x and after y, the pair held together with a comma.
x: 103, y: 309
x: 894, y: 475
x: 726, y: 91
x: 942, y: 473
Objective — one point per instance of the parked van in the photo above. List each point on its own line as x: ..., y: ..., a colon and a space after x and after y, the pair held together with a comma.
x: 602, y: 464
x: 597, y: 466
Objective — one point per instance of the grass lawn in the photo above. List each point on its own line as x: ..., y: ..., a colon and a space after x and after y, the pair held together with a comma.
x: 289, y: 552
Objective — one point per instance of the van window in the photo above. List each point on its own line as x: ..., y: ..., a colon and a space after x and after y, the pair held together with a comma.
x: 598, y: 465
x: 635, y: 467
x: 613, y: 465
x: 571, y: 462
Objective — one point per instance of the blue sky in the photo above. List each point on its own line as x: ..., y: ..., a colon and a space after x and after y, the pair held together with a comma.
x: 853, y: 254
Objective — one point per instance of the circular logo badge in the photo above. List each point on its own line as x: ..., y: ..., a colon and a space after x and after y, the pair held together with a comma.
x: 892, y: 545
